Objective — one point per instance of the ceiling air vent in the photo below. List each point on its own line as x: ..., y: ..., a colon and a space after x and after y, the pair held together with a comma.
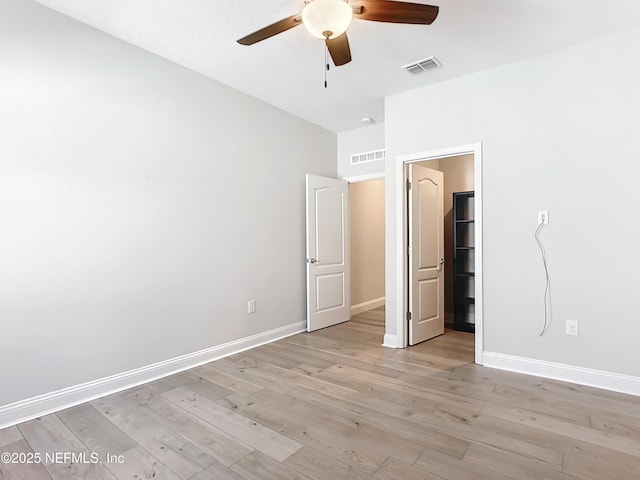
x: 367, y: 156
x: 422, y: 65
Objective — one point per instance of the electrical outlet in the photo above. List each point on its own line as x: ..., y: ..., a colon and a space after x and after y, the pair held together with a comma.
x: 572, y: 327
x: 543, y: 217
x: 251, y: 306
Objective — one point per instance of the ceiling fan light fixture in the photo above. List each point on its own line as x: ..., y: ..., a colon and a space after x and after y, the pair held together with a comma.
x: 327, y: 19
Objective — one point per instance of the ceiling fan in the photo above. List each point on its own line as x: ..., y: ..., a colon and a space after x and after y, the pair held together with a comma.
x: 329, y: 20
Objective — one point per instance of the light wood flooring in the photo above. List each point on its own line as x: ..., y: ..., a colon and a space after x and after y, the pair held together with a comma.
x: 336, y: 405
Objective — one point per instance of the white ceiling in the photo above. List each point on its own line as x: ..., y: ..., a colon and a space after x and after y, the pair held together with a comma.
x: 287, y: 70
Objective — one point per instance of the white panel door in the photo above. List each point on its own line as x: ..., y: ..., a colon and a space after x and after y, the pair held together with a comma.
x: 328, y: 275
x: 426, y: 254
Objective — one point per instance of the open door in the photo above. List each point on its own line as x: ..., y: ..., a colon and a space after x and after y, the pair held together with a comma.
x: 426, y: 253
x: 328, y: 275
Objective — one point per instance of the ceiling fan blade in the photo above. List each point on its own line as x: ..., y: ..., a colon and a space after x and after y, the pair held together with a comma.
x: 339, y: 49
x: 271, y: 30
x: 394, y: 12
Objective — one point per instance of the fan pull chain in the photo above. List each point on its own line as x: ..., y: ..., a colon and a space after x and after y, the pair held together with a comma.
x: 326, y: 64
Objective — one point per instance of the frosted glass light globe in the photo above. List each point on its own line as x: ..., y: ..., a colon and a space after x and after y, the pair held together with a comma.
x: 327, y: 18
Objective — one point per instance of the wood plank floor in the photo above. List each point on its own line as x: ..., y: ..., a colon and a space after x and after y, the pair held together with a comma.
x: 336, y: 405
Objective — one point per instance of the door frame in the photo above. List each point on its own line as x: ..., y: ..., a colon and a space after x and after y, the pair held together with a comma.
x: 365, y: 177
x: 400, y: 263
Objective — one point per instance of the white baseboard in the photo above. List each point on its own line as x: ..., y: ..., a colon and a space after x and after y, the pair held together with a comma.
x: 365, y: 306
x: 34, y: 407
x: 391, y: 341
x: 616, y: 382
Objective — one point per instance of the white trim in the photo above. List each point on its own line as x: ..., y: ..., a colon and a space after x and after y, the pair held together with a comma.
x: 391, y: 341
x: 364, y: 178
x: 400, y: 274
x: 477, y: 234
x: 616, y: 382
x: 365, y: 306
x: 30, y: 408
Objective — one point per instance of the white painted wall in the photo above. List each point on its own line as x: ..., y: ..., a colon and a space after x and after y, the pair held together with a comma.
x: 365, y: 139
x: 559, y: 133
x: 141, y: 206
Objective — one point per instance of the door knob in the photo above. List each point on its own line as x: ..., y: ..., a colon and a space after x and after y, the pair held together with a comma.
x: 312, y: 260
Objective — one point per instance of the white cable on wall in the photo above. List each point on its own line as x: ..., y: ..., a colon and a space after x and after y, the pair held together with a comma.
x: 547, y: 288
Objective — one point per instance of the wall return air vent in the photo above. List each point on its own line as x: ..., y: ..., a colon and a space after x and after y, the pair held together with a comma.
x: 422, y: 65
x: 367, y: 156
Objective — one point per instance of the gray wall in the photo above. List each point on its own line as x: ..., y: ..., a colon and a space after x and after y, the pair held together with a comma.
x: 141, y: 206
x: 560, y: 134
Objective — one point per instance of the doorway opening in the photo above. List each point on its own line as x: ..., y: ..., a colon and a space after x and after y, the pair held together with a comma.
x: 458, y: 240
x: 328, y: 247
x: 366, y: 218
x: 399, y: 304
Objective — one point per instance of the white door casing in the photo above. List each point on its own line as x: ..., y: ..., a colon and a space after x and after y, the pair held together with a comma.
x: 396, y: 330
x: 328, y: 265
x: 426, y: 253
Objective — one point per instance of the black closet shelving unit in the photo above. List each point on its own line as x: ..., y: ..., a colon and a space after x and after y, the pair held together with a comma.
x: 463, y: 262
